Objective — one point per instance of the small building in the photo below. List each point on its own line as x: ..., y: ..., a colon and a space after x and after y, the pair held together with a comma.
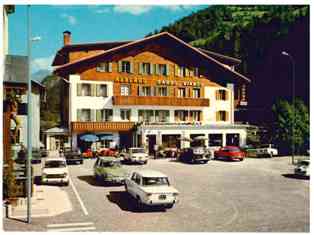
x: 148, y: 92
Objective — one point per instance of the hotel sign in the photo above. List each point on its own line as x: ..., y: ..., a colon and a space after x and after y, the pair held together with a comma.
x: 159, y: 82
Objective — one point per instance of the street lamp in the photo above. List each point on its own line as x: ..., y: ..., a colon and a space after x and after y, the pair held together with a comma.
x: 29, y: 112
x: 293, y: 101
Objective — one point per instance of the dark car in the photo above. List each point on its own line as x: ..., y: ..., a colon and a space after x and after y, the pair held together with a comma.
x: 229, y: 153
x: 194, y: 155
x: 72, y: 156
x: 36, y: 157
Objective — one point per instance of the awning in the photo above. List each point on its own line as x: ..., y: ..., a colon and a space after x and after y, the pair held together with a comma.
x: 105, y: 137
x: 89, y: 138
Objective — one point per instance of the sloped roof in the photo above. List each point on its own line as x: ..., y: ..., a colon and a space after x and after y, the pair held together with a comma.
x: 180, y: 45
x: 228, y: 60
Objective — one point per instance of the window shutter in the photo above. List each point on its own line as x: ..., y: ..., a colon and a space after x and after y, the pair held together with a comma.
x: 217, y: 116
x: 98, y: 115
x: 120, y: 66
x: 176, y: 68
x: 167, y: 70
x: 93, y: 89
x: 227, y: 116
x: 131, y: 67
x: 227, y: 95
x: 110, y: 67
x: 151, y: 68
x: 78, y: 114
x: 140, y: 68
x: 79, y: 89
x: 157, y: 72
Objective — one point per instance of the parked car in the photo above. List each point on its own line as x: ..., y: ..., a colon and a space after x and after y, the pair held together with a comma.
x: 106, y: 152
x: 167, y: 153
x: 194, y: 155
x: 303, y: 168
x: 55, y: 170
x: 36, y: 156
x: 43, y: 152
x: 266, y: 150
x: 88, y: 154
x: 109, y: 169
x: 134, y: 155
x: 229, y: 153
x: 73, y: 156
x: 151, y: 188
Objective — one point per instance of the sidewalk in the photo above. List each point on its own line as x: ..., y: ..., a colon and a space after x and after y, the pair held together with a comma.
x: 46, y: 200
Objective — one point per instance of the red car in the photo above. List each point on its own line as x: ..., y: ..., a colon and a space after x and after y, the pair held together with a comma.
x: 229, y: 153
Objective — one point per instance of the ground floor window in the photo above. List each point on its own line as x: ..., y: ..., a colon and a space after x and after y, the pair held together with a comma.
x: 233, y: 139
x: 196, y: 143
x: 215, y: 140
x: 171, y: 141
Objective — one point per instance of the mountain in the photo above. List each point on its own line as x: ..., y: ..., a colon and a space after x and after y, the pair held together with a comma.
x: 257, y: 35
x: 40, y: 74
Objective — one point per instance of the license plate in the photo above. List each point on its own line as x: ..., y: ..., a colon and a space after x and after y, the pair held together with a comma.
x: 162, y: 197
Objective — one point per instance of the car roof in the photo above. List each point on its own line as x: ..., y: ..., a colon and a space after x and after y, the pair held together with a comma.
x: 150, y: 173
x: 55, y: 159
x: 109, y: 159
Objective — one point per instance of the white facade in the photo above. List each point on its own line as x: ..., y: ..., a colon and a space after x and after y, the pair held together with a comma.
x: 209, y: 124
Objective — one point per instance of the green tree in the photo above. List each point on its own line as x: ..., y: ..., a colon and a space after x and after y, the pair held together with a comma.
x: 284, y: 117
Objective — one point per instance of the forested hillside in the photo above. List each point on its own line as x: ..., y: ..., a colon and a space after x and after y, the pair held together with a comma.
x: 257, y: 35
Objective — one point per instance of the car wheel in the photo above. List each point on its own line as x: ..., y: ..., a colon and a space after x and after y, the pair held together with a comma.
x: 145, y: 162
x: 170, y: 206
x: 205, y: 162
x: 66, y: 184
x: 139, y: 204
x: 241, y: 159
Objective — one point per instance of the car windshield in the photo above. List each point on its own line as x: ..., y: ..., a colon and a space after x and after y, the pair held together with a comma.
x: 155, y: 181
x: 111, y: 164
x: 230, y: 150
x: 55, y: 164
x: 138, y: 150
x: 304, y: 163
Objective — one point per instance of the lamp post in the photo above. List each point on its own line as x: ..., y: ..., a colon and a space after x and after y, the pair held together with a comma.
x: 293, y: 102
x: 29, y: 112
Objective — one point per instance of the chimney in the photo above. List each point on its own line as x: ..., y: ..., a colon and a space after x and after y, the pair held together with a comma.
x: 66, y: 38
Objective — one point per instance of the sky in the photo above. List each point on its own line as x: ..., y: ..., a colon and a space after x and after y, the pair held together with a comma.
x: 89, y: 23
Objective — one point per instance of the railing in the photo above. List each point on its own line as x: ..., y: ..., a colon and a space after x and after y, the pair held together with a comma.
x: 101, y: 126
x: 159, y: 100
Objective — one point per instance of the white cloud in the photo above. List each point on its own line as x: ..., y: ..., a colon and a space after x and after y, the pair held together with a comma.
x: 178, y: 7
x: 103, y: 10
x: 43, y: 63
x: 132, y: 9
x: 71, y: 19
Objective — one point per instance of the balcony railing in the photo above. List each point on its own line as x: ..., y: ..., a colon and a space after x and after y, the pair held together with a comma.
x: 159, y: 100
x: 101, y: 126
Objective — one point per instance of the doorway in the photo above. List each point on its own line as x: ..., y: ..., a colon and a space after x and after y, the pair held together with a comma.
x: 233, y: 139
x: 151, y: 139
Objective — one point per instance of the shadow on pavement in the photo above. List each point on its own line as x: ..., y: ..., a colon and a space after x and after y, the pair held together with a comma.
x: 90, y: 179
x: 293, y: 176
x: 127, y: 203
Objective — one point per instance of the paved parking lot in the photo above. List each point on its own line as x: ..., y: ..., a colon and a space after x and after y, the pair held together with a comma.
x: 251, y: 196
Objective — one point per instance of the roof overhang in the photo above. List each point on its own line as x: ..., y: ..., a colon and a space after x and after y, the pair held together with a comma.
x: 182, y: 51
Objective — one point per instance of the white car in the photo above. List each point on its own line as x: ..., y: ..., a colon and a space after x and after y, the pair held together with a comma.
x: 135, y: 155
x: 303, y: 168
x: 151, y: 188
x: 266, y: 150
x: 55, y: 170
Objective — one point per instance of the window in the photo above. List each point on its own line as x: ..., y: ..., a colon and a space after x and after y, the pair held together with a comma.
x: 181, y: 71
x: 125, y: 114
x: 125, y: 66
x: 196, y: 93
x: 161, y: 69
x: 181, y: 92
x: 102, y: 90
x: 104, y: 67
x: 162, y: 115
x: 106, y: 115
x: 146, y: 116
x: 84, y: 115
x: 145, y: 91
x: 125, y: 90
x: 162, y: 91
x: 195, y: 116
x: 146, y: 68
x: 222, y: 116
x: 84, y: 89
x: 181, y: 115
x: 221, y: 95
x: 215, y: 140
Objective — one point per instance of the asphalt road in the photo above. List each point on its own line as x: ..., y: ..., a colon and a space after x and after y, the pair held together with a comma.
x: 256, y: 195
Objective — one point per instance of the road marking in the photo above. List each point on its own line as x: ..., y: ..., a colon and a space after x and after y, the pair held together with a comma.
x: 69, y: 224
x: 71, y: 227
x: 78, y: 198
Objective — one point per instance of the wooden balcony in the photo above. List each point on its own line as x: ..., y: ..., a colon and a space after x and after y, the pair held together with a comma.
x: 159, y: 100
x: 79, y: 127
